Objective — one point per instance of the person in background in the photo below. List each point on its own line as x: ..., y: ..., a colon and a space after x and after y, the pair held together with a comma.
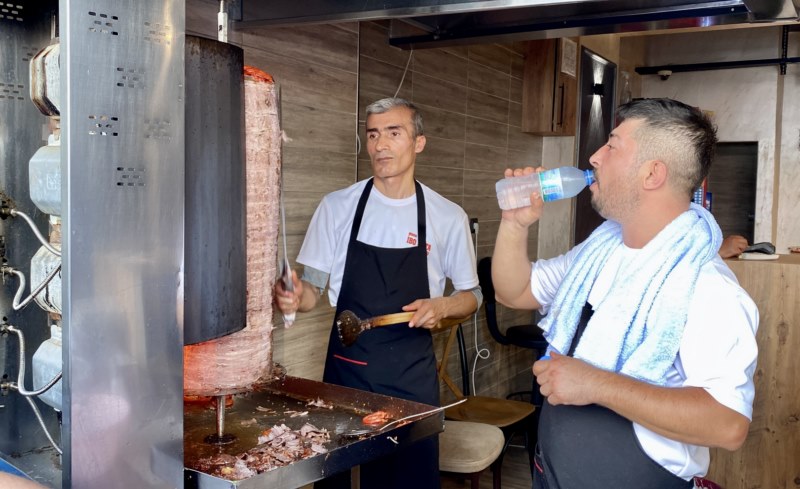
x: 732, y: 245
x: 652, y: 341
x: 384, y: 245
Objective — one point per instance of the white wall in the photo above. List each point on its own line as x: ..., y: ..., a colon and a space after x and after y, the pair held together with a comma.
x: 747, y: 105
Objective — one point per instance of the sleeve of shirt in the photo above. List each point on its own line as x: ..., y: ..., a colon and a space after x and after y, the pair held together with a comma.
x: 546, y: 277
x: 460, y: 265
x: 718, y: 351
x: 318, y: 246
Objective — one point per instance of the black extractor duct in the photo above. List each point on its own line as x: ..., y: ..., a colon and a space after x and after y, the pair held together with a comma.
x: 437, y: 23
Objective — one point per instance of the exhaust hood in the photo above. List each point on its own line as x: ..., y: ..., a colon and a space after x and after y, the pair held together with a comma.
x: 438, y: 23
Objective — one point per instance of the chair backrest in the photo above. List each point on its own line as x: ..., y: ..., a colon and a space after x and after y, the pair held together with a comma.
x: 441, y: 367
x: 489, y: 301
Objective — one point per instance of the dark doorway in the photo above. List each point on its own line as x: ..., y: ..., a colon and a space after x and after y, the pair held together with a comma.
x: 596, y: 103
x: 732, y: 183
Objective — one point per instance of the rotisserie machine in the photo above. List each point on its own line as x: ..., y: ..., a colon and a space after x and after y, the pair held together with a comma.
x: 140, y: 183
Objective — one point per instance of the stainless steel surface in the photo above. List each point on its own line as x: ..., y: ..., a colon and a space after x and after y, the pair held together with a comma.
x: 123, y: 195
x: 215, y: 268
x: 293, y: 394
x: 377, y: 430
x: 22, y: 35
x: 437, y: 23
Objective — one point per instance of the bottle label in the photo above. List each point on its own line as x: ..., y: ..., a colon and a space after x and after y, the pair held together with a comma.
x: 551, y: 188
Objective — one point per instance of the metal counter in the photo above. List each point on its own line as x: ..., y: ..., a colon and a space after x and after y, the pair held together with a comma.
x: 268, y: 406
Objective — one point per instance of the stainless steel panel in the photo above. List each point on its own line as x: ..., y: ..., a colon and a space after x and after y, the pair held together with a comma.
x: 22, y: 35
x: 123, y: 190
x: 215, y: 261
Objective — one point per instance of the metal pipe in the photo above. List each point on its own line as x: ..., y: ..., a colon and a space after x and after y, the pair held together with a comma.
x: 20, y: 384
x: 16, y: 304
x: 15, y: 213
x: 220, y: 416
x: 721, y: 65
x: 222, y: 22
x: 41, y: 423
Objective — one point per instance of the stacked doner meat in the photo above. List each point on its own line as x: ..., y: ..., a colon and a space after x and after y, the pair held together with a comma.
x: 276, y: 447
x: 233, y: 363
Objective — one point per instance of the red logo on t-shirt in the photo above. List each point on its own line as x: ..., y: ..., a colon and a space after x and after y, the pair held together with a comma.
x: 412, y: 240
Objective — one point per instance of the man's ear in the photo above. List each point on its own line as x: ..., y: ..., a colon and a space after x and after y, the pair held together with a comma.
x: 419, y: 144
x: 656, y: 174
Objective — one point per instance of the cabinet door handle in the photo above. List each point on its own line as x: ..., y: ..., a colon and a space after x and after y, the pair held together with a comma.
x: 561, y: 106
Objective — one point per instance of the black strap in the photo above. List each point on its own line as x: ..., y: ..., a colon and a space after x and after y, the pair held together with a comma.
x: 586, y: 314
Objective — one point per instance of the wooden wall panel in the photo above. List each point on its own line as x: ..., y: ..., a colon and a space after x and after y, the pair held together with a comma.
x: 770, y: 457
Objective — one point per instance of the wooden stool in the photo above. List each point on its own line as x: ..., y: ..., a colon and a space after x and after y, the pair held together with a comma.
x: 505, y: 414
x: 467, y: 449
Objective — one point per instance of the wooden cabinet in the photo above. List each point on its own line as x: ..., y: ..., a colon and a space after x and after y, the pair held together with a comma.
x: 550, y: 87
x: 770, y: 457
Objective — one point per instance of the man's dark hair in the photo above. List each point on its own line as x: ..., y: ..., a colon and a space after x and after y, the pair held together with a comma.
x: 683, y: 137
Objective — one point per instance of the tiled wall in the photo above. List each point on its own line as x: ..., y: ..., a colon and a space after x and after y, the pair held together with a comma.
x: 470, y: 98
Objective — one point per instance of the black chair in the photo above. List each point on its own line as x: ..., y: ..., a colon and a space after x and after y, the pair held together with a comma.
x: 522, y: 335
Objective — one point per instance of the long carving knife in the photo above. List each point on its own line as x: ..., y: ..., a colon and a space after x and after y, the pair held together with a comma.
x: 286, y: 274
x: 288, y: 283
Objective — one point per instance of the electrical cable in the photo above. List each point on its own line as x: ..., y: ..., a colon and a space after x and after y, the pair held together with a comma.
x: 48, y: 246
x: 480, y: 353
x: 408, y: 63
x: 399, y: 86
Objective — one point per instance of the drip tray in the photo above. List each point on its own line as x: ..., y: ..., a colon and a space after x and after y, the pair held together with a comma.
x: 280, y: 402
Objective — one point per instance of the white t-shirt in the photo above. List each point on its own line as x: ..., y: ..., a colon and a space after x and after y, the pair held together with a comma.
x: 391, y: 223
x: 717, y: 352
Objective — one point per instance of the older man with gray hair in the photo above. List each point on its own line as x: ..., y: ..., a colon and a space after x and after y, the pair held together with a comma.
x: 384, y: 245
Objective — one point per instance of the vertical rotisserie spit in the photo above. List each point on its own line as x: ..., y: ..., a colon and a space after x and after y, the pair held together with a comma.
x: 233, y: 183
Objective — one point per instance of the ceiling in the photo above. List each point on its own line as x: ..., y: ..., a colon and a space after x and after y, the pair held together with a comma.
x: 438, y: 23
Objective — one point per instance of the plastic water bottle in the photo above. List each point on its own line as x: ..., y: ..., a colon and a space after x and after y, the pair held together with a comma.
x: 560, y: 183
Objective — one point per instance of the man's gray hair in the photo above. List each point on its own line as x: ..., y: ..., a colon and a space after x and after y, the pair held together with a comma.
x: 679, y: 135
x: 387, y: 104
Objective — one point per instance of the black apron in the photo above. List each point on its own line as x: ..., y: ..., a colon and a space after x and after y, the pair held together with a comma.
x: 592, y: 447
x: 393, y: 360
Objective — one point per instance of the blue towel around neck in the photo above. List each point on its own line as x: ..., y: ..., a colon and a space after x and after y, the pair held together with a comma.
x: 637, y: 327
